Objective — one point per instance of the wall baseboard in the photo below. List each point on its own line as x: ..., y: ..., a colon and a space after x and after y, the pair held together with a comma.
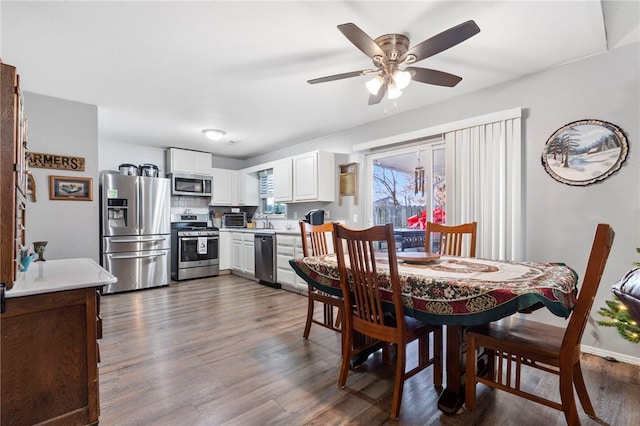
x: 603, y: 353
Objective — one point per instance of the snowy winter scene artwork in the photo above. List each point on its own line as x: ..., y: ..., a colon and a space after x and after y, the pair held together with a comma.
x: 585, y: 152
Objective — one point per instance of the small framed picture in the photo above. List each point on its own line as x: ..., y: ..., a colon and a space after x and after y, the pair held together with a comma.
x: 70, y: 188
x: 585, y: 152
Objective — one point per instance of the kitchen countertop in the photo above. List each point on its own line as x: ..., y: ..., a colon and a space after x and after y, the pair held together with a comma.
x: 59, y: 275
x: 262, y: 230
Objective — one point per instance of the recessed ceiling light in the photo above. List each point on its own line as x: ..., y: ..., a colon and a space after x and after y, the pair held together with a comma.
x: 214, y: 134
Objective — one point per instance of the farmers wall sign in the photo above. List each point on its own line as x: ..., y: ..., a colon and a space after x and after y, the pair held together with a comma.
x: 585, y: 152
x: 53, y: 161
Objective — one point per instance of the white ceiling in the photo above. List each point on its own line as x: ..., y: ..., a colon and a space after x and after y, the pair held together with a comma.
x: 160, y: 71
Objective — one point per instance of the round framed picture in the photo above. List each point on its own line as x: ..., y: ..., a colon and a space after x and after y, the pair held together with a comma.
x: 585, y: 152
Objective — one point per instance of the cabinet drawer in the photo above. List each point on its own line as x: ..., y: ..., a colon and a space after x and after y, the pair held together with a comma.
x: 286, y: 276
x: 283, y: 262
x: 285, y: 251
x: 286, y: 240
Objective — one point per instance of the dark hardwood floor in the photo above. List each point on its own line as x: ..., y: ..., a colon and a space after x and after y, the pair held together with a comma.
x: 229, y: 351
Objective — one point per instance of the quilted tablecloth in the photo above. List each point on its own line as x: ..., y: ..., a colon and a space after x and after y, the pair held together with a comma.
x: 461, y: 291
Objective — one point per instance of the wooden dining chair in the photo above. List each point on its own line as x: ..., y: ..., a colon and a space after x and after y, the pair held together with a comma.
x: 452, y: 238
x: 315, y: 242
x: 514, y: 343
x: 361, y: 286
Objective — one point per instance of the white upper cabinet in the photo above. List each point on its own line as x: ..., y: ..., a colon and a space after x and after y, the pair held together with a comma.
x: 282, y: 181
x: 313, y: 176
x: 186, y: 161
x: 248, y: 189
x: 224, y: 185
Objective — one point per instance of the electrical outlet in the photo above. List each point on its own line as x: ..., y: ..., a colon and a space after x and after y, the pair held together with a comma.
x: 355, y: 217
x: 295, y: 215
x: 327, y: 214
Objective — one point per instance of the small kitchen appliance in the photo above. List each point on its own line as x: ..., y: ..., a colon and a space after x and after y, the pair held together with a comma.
x: 315, y: 217
x: 234, y: 220
x: 128, y: 169
x: 148, y: 170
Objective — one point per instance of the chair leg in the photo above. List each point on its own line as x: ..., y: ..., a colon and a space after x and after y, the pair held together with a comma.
x: 566, y: 395
x: 438, y: 355
x: 307, y: 326
x: 581, y: 389
x: 401, y: 359
x: 347, y: 344
x: 470, y: 375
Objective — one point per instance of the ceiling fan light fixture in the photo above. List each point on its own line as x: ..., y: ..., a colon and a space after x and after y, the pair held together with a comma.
x: 214, y: 134
x: 401, y: 78
x: 373, y: 85
x: 393, y: 92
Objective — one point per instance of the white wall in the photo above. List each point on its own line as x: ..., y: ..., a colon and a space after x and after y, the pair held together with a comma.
x: 63, y: 127
x: 112, y: 154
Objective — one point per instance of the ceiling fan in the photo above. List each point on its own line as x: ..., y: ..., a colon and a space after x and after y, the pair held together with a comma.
x: 391, y: 51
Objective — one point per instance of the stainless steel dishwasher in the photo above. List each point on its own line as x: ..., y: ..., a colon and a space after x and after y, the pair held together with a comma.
x: 265, y: 259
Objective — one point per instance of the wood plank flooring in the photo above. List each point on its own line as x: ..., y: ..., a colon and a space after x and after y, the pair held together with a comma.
x: 229, y: 351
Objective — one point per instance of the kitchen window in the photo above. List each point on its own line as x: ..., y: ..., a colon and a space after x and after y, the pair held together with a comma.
x: 267, y: 205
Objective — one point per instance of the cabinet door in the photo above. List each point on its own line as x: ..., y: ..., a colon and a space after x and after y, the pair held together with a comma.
x: 225, y: 250
x: 223, y: 185
x: 282, y: 181
x: 248, y: 189
x: 249, y: 257
x: 305, y: 183
x: 179, y: 160
x: 201, y: 163
x: 237, y: 252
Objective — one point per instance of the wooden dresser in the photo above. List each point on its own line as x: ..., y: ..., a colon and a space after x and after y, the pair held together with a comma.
x: 13, y: 174
x: 49, y: 337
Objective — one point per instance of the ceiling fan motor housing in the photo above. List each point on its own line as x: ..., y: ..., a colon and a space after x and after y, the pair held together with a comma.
x: 394, y: 46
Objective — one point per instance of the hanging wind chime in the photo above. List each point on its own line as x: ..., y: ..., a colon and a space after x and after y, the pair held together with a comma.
x: 419, y: 176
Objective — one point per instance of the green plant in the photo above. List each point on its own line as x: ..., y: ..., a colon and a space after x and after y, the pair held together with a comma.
x: 619, y: 317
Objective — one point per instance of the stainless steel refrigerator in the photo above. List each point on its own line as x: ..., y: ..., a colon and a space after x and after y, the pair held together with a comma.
x: 136, y: 231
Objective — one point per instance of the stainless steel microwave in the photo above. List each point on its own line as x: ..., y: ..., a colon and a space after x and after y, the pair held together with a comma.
x: 194, y: 185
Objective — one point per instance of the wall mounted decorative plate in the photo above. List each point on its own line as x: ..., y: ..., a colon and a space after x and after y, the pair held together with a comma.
x: 585, y: 152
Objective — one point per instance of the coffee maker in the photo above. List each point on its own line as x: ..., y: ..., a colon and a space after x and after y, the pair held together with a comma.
x: 315, y: 217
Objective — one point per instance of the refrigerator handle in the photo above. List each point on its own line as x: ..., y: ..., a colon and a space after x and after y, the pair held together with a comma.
x: 139, y: 205
x: 141, y: 240
x: 116, y: 256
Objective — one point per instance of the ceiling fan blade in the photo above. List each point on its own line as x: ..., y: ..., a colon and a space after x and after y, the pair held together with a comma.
x: 439, y: 78
x: 375, y: 99
x: 340, y: 76
x: 443, y: 41
x: 361, y: 40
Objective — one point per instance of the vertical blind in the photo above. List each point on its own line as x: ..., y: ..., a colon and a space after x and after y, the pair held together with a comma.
x: 265, y: 183
x: 484, y: 184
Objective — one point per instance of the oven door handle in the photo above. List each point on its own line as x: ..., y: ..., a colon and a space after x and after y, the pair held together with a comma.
x: 116, y: 256
x: 142, y: 240
x: 209, y: 237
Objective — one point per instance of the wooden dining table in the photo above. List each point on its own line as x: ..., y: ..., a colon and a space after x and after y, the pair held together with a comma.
x: 459, y: 292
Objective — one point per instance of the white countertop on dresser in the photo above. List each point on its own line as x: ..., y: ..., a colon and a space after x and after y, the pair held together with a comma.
x: 59, y: 275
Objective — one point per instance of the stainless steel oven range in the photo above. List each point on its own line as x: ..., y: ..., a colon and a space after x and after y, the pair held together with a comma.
x: 194, y: 247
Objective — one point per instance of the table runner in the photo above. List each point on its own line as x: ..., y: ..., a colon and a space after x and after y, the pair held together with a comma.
x: 461, y: 291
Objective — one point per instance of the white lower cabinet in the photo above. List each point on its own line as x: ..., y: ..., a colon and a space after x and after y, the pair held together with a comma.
x: 242, y: 256
x: 224, y: 252
x: 249, y: 255
x: 289, y: 247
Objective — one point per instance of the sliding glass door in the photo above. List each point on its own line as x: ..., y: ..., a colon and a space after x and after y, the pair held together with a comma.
x: 407, y: 185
